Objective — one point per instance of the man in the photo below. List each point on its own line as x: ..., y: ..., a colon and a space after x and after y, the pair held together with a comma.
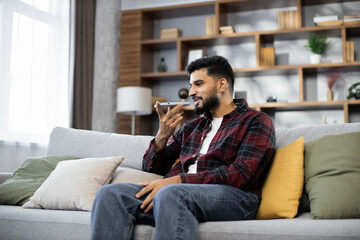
x: 223, y: 157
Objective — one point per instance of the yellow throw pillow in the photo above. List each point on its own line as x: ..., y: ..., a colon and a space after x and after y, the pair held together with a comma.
x: 283, y: 186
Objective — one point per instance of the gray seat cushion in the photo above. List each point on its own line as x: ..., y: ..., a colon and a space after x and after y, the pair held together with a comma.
x: 16, y: 222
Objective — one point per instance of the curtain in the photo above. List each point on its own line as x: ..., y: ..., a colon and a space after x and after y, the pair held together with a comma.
x: 34, y: 76
x: 34, y: 69
x: 84, y: 63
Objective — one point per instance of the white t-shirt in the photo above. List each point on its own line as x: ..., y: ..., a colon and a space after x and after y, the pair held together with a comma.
x: 215, y: 125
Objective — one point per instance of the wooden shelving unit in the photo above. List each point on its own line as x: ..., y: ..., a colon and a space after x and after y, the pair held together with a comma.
x: 140, y: 43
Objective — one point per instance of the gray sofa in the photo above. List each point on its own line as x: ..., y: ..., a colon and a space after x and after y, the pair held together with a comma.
x: 19, y: 223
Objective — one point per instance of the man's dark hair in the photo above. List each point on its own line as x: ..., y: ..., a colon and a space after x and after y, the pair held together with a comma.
x: 217, y: 67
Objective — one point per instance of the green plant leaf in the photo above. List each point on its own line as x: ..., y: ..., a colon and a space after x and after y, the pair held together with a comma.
x: 317, y: 44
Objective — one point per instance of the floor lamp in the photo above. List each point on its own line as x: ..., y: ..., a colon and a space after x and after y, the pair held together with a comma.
x: 133, y: 101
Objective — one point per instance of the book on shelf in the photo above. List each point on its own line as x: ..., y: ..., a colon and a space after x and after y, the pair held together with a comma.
x: 288, y: 20
x: 226, y: 30
x: 351, y: 20
x: 267, y: 56
x: 210, y: 26
x: 351, y: 23
x: 330, y: 23
x: 326, y: 18
x: 349, y: 51
x: 170, y: 33
x: 352, y: 16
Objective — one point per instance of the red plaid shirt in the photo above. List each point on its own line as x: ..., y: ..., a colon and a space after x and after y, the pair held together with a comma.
x: 239, y: 154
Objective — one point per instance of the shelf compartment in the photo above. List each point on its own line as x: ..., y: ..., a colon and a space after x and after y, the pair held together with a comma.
x: 159, y: 44
x: 302, y: 106
x: 240, y: 6
x: 301, y: 33
x: 241, y: 14
x: 311, y: 8
x: 164, y: 76
x: 180, y: 17
x: 318, y: 2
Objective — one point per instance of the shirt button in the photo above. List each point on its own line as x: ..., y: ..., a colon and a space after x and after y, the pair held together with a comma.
x: 194, y: 156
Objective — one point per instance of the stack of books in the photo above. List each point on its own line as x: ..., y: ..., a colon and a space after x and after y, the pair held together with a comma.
x: 352, y: 20
x: 170, y: 33
x: 288, y: 20
x: 330, y: 20
x: 267, y: 56
x: 226, y: 30
x: 349, y: 48
x: 210, y: 26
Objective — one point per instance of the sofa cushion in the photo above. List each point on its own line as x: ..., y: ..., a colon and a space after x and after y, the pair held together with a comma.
x: 128, y: 175
x: 27, y: 179
x: 287, y: 136
x: 42, y: 224
x: 73, y: 184
x: 332, y: 175
x: 84, y: 144
x: 284, y: 183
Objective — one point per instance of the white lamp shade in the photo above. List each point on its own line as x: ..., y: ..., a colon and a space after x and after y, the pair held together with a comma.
x: 134, y: 100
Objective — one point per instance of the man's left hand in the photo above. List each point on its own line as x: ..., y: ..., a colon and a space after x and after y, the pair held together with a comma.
x: 152, y: 188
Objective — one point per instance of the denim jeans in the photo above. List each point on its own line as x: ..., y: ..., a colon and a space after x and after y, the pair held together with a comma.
x: 176, y: 212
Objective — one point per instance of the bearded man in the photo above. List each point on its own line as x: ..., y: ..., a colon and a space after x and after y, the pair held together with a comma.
x: 213, y: 166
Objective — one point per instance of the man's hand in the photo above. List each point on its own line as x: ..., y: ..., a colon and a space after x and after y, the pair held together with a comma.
x: 152, y: 188
x: 168, y: 123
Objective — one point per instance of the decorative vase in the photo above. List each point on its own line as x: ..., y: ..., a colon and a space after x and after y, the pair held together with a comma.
x: 162, y: 66
x: 330, y: 95
x: 315, y: 58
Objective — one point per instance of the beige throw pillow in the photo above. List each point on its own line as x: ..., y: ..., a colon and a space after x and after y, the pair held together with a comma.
x: 129, y: 175
x: 74, y: 183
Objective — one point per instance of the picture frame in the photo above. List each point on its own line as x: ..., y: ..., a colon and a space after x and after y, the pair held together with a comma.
x: 195, y: 53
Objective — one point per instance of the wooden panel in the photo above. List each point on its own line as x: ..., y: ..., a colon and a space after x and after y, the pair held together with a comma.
x: 343, y: 41
x: 258, y: 45
x: 299, y: 10
x: 130, y: 60
x: 142, y: 124
x: 301, y: 84
x: 131, y: 35
x: 130, y: 19
x: 130, y: 63
x: 346, y: 112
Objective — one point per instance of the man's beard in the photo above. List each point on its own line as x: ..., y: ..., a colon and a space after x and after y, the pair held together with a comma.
x: 208, y: 104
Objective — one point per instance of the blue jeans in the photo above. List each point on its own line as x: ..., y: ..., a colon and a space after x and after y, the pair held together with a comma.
x: 176, y: 212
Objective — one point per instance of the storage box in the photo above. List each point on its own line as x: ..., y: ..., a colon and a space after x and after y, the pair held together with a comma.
x: 170, y: 33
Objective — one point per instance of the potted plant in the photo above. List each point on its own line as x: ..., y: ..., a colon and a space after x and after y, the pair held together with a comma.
x: 354, y: 91
x: 317, y: 45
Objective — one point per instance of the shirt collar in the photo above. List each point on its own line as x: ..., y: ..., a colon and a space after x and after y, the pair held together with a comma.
x: 241, y: 108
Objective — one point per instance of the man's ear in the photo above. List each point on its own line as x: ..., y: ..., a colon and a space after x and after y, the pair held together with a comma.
x: 222, y: 85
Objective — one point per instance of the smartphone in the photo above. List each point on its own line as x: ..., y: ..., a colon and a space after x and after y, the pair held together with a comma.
x: 172, y: 104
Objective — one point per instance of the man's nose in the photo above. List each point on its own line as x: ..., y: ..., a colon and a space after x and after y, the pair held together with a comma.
x: 192, y: 91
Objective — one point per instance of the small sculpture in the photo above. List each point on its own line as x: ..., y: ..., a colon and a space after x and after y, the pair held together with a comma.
x: 183, y: 94
x: 162, y: 66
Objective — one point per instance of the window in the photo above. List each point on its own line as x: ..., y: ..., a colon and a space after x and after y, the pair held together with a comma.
x: 34, y: 68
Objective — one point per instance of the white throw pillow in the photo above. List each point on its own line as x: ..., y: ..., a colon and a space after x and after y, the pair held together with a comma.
x: 74, y: 183
x: 129, y: 175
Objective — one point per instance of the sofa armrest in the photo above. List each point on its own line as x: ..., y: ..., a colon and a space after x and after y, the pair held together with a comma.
x: 4, y: 176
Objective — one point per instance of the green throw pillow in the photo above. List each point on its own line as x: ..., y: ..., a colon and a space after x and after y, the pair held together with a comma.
x: 332, y: 176
x: 27, y: 179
